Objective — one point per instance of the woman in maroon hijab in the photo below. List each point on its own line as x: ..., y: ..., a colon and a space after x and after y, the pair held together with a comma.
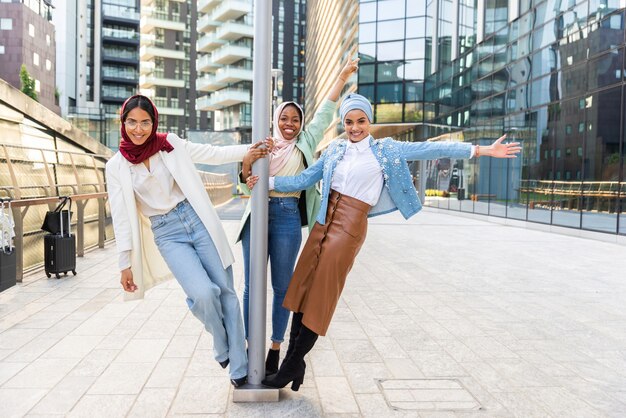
x: 165, y: 225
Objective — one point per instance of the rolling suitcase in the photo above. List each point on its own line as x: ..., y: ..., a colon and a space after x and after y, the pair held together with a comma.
x: 8, y: 271
x: 60, y: 250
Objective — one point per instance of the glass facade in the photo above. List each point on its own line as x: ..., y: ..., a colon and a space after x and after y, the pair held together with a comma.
x: 549, y: 73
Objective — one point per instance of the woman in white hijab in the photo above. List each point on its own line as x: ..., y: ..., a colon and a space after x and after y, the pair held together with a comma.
x: 294, y: 149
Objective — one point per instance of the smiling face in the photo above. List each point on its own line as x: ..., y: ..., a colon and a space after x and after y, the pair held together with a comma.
x: 289, y: 122
x: 357, y: 125
x: 138, y: 125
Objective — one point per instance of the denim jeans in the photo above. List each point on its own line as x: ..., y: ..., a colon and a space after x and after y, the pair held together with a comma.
x: 189, y: 252
x: 284, y: 235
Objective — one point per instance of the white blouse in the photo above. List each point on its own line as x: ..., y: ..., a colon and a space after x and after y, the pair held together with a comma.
x: 358, y: 174
x: 156, y: 192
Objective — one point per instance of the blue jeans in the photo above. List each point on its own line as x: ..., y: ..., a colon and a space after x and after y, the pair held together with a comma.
x: 189, y: 252
x: 284, y: 235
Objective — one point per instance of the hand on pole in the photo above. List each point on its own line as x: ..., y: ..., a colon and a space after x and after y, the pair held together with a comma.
x: 251, y: 181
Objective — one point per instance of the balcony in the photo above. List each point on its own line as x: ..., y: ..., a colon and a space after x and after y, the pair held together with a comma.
x: 147, y: 39
x: 129, y: 37
x: 146, y: 67
x: 206, y: 64
x: 172, y: 111
x: 208, y: 83
x: 229, y: 54
x: 205, y: 6
x: 229, y: 75
x: 209, y: 42
x: 154, y: 20
x: 231, y: 31
x: 206, y: 24
x: 231, y: 10
x: 148, y: 81
x: 148, y: 52
x: 223, y: 98
x: 116, y: 13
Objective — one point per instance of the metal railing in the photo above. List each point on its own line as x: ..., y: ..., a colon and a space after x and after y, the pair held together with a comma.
x: 35, y: 178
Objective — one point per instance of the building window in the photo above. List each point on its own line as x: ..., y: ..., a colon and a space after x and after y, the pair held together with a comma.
x: 31, y: 30
x: 36, y: 59
x: 48, y: 40
x: 6, y: 24
x: 37, y: 86
x: 48, y: 65
x: 1, y: 49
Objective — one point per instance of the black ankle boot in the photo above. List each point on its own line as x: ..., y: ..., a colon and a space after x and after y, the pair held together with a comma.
x: 271, y: 362
x: 224, y: 363
x: 292, y: 369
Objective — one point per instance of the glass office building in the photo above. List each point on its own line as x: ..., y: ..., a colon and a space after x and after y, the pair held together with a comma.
x: 549, y: 73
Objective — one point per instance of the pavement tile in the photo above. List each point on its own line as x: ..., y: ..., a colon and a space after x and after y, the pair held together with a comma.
x: 122, y: 379
x: 336, y: 396
x: 17, y: 402
x: 102, y: 406
x: 153, y: 403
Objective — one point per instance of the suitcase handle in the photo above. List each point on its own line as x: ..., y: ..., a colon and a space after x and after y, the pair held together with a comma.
x: 59, y: 208
x: 10, y: 220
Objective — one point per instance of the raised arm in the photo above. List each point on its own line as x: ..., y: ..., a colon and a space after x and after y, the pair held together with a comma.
x: 314, y: 130
x: 351, y: 67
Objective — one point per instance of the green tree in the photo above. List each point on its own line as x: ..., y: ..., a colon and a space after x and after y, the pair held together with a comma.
x: 28, y: 83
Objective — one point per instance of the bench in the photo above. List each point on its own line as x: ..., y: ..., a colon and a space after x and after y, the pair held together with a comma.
x: 476, y: 197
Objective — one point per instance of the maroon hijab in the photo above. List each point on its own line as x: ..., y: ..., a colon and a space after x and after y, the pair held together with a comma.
x: 155, y: 143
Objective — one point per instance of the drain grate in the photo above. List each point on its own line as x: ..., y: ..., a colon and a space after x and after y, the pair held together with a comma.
x: 428, y: 395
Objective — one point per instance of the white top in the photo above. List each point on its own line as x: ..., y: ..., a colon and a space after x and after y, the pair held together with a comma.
x: 156, y: 193
x: 155, y: 190
x: 358, y: 174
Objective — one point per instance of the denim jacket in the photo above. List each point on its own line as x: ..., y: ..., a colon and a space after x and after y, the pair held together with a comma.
x: 398, y: 192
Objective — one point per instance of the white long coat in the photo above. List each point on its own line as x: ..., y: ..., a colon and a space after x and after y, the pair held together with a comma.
x: 132, y: 229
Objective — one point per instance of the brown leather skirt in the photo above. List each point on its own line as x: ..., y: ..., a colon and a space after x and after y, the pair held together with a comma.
x: 326, y: 260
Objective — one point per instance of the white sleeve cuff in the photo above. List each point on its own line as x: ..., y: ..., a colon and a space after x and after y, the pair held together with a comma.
x: 473, y: 151
x: 271, y: 183
x: 124, y: 260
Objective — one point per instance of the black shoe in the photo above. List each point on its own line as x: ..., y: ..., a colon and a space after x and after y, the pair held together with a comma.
x: 271, y: 362
x: 224, y: 363
x: 290, y: 372
x: 239, y: 382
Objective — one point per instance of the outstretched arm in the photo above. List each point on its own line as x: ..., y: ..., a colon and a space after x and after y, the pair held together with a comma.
x: 498, y: 149
x: 302, y: 181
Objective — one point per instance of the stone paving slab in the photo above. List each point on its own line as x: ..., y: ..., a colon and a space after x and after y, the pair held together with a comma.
x: 503, y: 321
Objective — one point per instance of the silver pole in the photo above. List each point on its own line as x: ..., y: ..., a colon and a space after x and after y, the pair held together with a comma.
x: 254, y: 391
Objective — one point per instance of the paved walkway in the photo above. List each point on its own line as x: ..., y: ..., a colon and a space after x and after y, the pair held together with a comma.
x: 442, y: 316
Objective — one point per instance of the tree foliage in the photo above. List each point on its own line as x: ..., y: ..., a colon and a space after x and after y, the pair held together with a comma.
x: 28, y: 83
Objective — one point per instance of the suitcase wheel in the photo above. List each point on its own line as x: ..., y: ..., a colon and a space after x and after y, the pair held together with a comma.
x: 48, y: 274
x: 58, y: 276
x: 74, y: 272
x: 65, y: 272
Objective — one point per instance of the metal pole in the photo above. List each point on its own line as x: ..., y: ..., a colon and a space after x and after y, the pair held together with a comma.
x: 254, y: 391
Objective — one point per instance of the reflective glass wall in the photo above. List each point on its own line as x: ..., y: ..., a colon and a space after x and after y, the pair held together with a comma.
x: 552, y: 77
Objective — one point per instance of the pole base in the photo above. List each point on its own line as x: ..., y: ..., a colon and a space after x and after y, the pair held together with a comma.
x: 255, y: 393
